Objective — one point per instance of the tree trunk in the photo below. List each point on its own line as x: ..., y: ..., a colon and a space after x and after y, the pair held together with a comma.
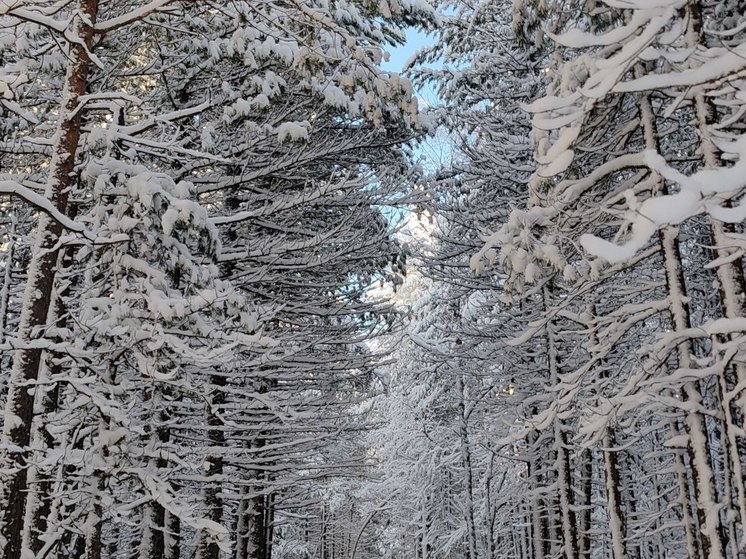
x: 38, y: 505
x: 584, y: 526
x: 564, y: 474
x: 731, y: 288
x: 702, y: 474
x: 38, y: 295
x: 256, y: 529
x: 241, y: 531
x: 539, y: 528
x: 617, y: 518
x: 95, y: 522
x: 5, y: 290
x: 153, y: 543
x: 468, y: 473
x: 699, y: 453
x: 207, y: 548
x: 172, y: 539
x: 269, y: 524
x: 684, y: 481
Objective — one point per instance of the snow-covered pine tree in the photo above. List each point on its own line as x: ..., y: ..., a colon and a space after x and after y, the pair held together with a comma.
x: 179, y: 101
x: 642, y: 68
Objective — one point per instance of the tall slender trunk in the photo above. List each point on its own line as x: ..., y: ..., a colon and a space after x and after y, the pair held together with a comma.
x: 5, y: 289
x: 207, y: 548
x: 702, y: 473
x: 584, y: 516
x: 241, y: 530
x: 539, y: 528
x: 253, y: 537
x: 731, y: 288
x: 491, y: 516
x: 699, y: 452
x: 657, y: 542
x: 41, y: 276
x: 554, y: 541
x: 629, y: 502
x: 38, y: 503
x: 38, y: 500
x: 612, y: 479
x: 172, y: 543
x: 154, y: 536
x: 617, y: 518
x: 685, y: 483
x: 468, y: 472
x: 256, y: 528
x: 564, y: 474
x: 95, y: 520
x: 269, y: 523
x: 151, y: 540
x: 323, y: 535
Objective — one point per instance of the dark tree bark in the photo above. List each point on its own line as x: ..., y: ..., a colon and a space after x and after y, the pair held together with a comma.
x: 41, y: 277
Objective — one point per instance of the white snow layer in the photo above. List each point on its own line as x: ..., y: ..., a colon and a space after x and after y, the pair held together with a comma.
x: 704, y: 191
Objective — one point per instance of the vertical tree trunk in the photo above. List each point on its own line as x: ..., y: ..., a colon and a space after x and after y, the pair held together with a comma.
x: 468, y: 473
x: 112, y: 546
x: 617, y: 518
x: 153, y: 543
x: 256, y: 529
x: 253, y: 538
x: 38, y: 503
x: 731, y: 288
x: 702, y: 474
x: 172, y: 539
x: 584, y: 525
x: 564, y: 481
x: 539, y: 528
x: 614, y: 505
x: 324, y: 521
x: 269, y: 524
x: 241, y: 524
x: 207, y: 548
x: 151, y: 540
x: 5, y: 289
x: 629, y: 500
x: 491, y: 516
x: 95, y: 522
x: 38, y: 500
x: 41, y: 275
x: 683, y: 478
x: 564, y: 474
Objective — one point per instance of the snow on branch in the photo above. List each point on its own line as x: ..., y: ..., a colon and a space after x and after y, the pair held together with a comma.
x: 576, y: 38
x: 704, y: 191
x: 731, y: 62
x: 131, y: 17
x: 34, y: 16
x: 12, y: 188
